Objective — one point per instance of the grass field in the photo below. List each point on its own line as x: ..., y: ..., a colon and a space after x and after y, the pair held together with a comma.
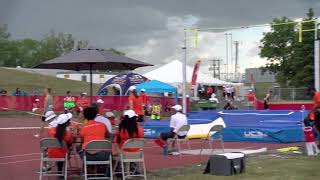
x: 11, y: 79
x: 265, y: 167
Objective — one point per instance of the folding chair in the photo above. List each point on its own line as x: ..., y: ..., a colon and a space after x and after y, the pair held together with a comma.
x: 94, y: 147
x: 214, y: 134
x: 132, y: 157
x: 46, y: 143
x: 184, y: 129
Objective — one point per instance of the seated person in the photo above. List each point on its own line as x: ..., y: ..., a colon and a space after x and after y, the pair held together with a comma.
x: 156, y: 110
x: 36, y: 106
x: 93, y: 130
x: 59, y: 131
x: 128, y: 129
x: 214, y: 98
x: 177, y: 121
x: 100, y: 118
x: 111, y: 118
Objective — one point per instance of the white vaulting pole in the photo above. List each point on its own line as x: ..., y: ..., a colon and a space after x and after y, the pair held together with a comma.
x: 184, y: 74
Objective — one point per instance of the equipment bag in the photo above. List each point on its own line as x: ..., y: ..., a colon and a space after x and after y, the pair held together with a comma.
x: 226, y: 164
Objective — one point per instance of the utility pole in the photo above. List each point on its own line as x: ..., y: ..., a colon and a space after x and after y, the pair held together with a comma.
x: 227, y: 56
x: 215, y: 67
x: 316, y: 57
x: 184, y: 74
x: 236, y: 59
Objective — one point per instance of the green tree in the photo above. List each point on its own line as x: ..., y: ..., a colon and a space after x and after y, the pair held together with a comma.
x: 291, y: 60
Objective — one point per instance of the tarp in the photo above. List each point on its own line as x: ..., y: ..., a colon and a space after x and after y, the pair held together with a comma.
x: 172, y: 73
x: 124, y: 81
x: 260, y: 126
x: 156, y: 87
x: 243, y: 125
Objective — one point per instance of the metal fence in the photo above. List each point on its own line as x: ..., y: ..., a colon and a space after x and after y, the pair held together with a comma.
x: 289, y: 94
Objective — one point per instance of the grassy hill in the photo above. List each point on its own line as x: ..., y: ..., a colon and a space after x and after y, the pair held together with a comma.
x: 11, y: 79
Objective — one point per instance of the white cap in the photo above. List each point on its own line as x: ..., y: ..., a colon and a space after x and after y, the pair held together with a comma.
x: 49, y: 115
x: 131, y: 88
x: 100, y: 101
x: 83, y: 93
x: 63, y: 118
x: 143, y: 90
x: 110, y: 114
x: 37, y: 100
x: 177, y: 107
x: 213, y: 95
x: 130, y: 113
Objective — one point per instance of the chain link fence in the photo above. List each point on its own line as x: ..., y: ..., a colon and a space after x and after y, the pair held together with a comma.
x: 289, y: 94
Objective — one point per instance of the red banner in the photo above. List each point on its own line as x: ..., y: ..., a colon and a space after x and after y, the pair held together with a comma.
x: 195, y: 74
x: 116, y: 103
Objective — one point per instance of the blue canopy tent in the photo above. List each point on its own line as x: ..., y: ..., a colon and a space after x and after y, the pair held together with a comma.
x: 155, y: 86
x: 122, y: 82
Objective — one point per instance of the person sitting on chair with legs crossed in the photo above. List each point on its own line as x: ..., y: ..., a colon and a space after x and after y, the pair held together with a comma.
x: 177, y: 121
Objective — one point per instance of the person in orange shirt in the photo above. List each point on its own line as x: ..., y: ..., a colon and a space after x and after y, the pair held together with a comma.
x: 145, y: 101
x: 128, y: 129
x: 93, y: 130
x: 100, y: 103
x: 64, y: 137
x: 82, y: 102
x: 135, y: 103
x: 313, y: 119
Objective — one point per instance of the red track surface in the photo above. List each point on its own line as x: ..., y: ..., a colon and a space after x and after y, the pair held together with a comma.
x: 19, y: 151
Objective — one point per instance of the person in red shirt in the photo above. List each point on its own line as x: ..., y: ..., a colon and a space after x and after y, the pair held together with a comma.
x: 93, y: 130
x: 128, y: 129
x: 135, y: 104
x: 313, y: 119
x: 64, y: 137
x: 145, y: 101
x: 100, y: 103
x: 82, y: 102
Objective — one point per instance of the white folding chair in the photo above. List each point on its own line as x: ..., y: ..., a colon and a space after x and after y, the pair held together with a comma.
x: 183, y: 130
x: 94, y: 147
x: 214, y: 134
x: 132, y: 157
x: 46, y: 143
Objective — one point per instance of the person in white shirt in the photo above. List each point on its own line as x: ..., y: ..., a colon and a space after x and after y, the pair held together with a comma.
x: 100, y: 118
x: 177, y: 121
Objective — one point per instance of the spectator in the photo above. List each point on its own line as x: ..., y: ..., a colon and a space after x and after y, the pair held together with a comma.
x: 93, y: 130
x: 83, y: 102
x: 116, y: 91
x: 100, y: 118
x: 64, y: 137
x: 18, y: 92
x: 209, y: 91
x: 177, y: 121
x: 111, y: 118
x: 69, y: 102
x: 156, y: 110
x: 214, y: 98
x: 3, y: 92
x: 135, y: 103
x: 128, y: 129
x: 145, y: 101
x: 36, y: 106
x: 266, y: 100
x: 99, y: 105
x: 313, y: 118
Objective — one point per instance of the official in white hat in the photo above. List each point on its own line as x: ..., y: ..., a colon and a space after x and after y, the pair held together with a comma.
x: 177, y: 121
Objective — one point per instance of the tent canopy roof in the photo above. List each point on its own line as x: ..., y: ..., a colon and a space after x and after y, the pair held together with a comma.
x: 155, y: 86
x: 172, y: 73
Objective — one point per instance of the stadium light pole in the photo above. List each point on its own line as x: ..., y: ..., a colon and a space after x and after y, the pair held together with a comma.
x: 316, y: 57
x: 184, y: 74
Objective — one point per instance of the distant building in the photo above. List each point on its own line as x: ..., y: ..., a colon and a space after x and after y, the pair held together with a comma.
x: 258, y: 76
x: 97, y: 77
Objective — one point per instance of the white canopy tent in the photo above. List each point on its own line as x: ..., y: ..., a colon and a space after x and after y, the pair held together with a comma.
x: 172, y: 73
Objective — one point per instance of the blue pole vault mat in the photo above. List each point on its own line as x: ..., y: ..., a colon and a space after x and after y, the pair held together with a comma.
x: 268, y: 126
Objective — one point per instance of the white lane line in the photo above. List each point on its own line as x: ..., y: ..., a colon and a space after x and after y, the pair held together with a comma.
x: 240, y: 114
x: 20, y: 128
x: 15, y: 162
x: 18, y: 155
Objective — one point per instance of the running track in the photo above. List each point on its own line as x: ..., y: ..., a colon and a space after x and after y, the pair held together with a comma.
x: 19, y: 151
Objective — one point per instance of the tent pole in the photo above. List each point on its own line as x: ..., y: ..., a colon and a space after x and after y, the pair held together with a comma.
x: 184, y: 74
x: 91, y: 97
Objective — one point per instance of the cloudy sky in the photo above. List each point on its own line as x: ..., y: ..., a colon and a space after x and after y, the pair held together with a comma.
x: 152, y: 30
